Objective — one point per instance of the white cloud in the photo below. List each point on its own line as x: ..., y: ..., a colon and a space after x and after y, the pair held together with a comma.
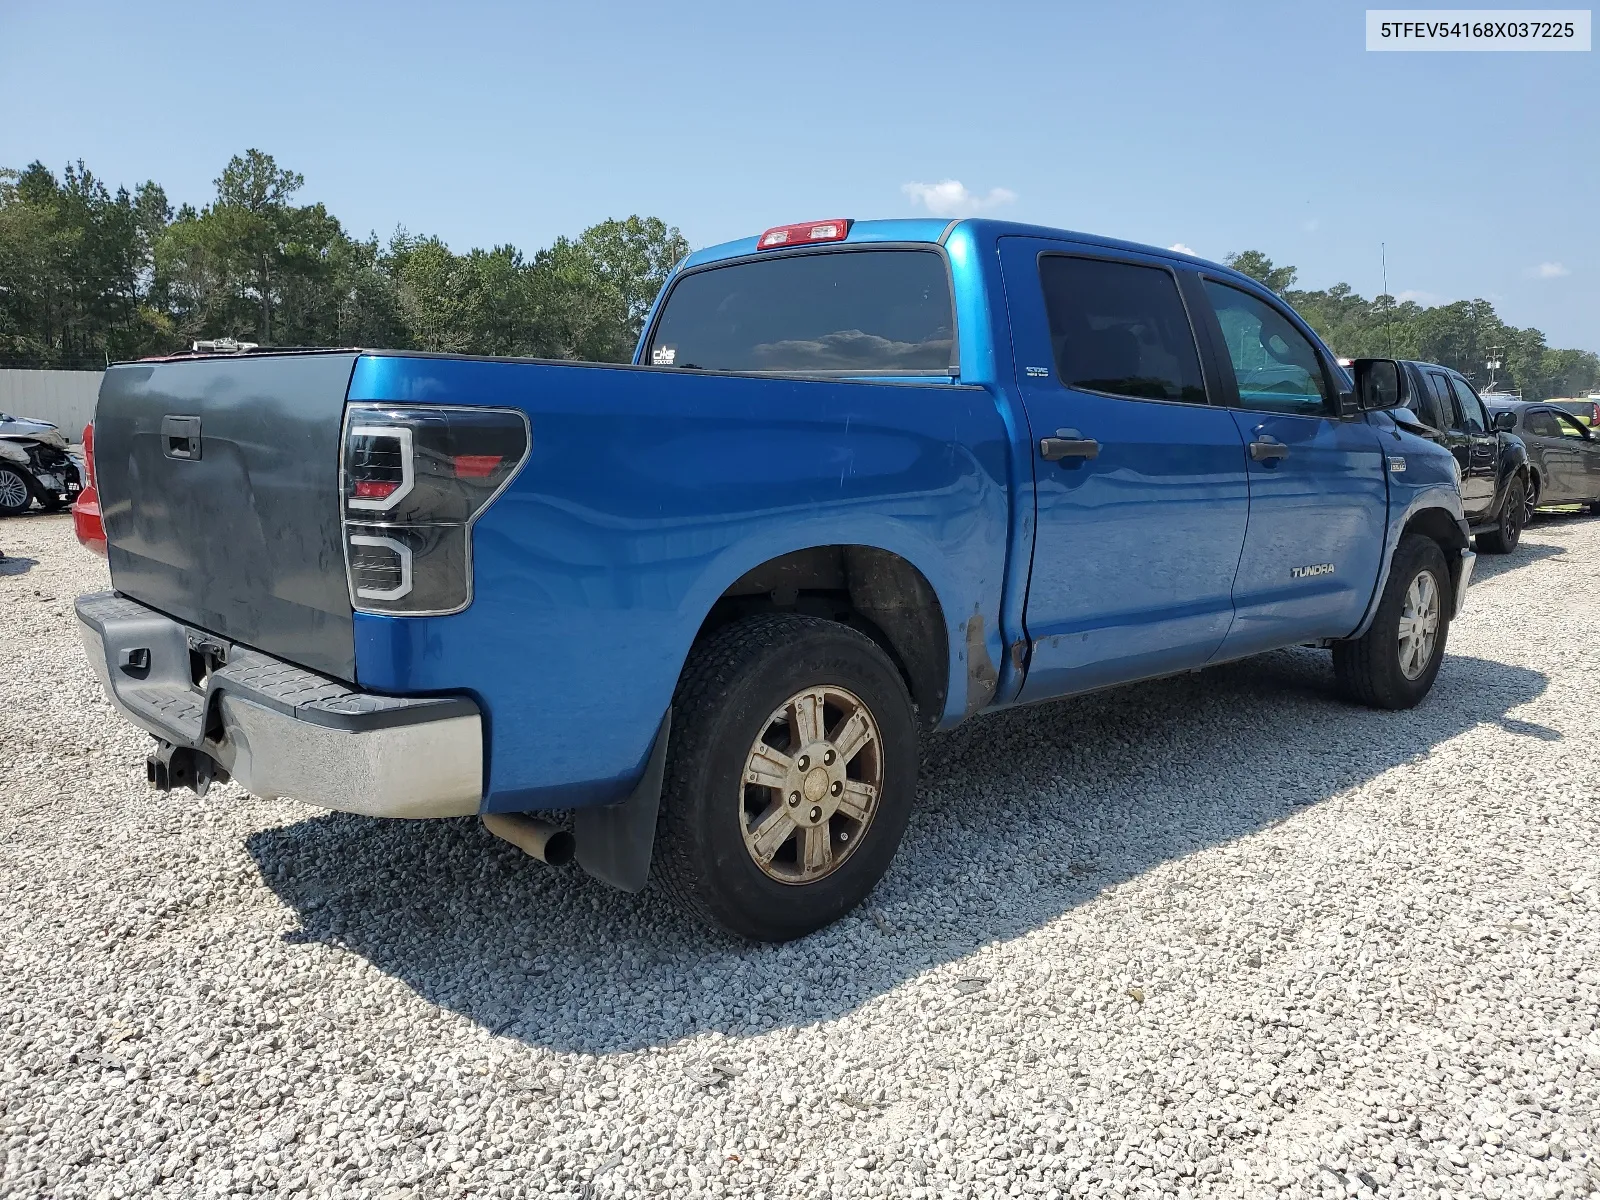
x: 950, y: 198
x: 1180, y: 248
x: 1548, y: 270
x: 1426, y: 299
x: 1314, y: 224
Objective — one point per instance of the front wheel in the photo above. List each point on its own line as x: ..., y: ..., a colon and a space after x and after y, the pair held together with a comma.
x: 1533, y: 500
x: 16, y: 492
x: 1503, y: 538
x: 790, y: 775
x: 1394, y: 664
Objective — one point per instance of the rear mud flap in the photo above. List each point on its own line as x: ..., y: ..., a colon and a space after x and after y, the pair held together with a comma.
x: 616, y: 841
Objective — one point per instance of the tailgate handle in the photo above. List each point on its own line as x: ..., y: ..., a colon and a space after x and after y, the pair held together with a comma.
x: 180, y: 437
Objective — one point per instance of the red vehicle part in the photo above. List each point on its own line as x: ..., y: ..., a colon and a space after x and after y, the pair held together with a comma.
x: 86, y: 521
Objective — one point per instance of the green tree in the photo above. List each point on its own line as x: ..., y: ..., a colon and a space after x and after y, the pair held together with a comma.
x: 1260, y: 268
x: 74, y: 268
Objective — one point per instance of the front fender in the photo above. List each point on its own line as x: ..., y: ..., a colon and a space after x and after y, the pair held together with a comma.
x: 1428, y: 482
x: 1513, y: 465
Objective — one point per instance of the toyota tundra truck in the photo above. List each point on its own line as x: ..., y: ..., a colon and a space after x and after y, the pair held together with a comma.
x: 862, y: 480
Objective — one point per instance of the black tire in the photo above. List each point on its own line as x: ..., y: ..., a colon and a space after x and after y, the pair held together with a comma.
x: 1533, y: 499
x: 16, y: 491
x: 1503, y: 538
x: 730, y: 689
x: 1368, y: 669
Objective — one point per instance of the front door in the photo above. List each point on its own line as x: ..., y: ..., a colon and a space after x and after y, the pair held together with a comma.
x: 1563, y: 472
x: 1580, y: 458
x: 1139, y: 482
x: 1319, y: 492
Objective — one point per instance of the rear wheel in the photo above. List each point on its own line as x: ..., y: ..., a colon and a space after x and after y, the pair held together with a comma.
x: 1395, y: 663
x: 16, y: 492
x: 1503, y: 538
x: 790, y: 775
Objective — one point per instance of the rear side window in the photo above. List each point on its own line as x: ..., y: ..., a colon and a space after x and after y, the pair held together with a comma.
x: 1471, y: 407
x: 850, y: 312
x: 1427, y: 403
x: 1449, y: 410
x: 1121, y: 329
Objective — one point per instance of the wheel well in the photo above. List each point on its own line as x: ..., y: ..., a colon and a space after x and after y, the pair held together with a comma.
x: 873, y: 590
x: 1439, y: 525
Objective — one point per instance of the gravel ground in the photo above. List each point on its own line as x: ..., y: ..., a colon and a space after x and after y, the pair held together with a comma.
x: 1219, y: 935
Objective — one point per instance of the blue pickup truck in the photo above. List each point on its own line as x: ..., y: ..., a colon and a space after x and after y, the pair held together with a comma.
x: 862, y: 480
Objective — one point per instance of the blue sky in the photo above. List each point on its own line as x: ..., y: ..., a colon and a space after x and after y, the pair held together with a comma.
x: 1220, y: 128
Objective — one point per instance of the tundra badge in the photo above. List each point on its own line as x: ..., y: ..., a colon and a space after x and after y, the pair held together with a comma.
x: 1311, y: 572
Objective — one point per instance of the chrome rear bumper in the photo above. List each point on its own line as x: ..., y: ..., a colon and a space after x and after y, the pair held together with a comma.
x: 280, y: 730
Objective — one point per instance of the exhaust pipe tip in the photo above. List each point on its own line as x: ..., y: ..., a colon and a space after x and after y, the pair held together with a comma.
x: 560, y: 848
x: 539, y: 839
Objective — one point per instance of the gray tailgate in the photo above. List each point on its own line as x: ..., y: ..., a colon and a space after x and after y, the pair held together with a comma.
x: 219, y: 484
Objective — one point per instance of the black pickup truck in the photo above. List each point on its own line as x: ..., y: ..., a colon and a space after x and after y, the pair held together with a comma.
x: 1492, y: 460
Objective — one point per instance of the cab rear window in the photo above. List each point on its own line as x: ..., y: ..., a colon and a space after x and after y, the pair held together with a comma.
x: 841, y: 312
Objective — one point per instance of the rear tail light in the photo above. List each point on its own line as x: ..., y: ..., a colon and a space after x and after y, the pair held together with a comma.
x: 413, y: 483
x: 805, y: 234
x: 88, y: 455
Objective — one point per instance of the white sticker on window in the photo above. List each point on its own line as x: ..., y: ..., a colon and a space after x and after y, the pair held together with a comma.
x: 663, y: 356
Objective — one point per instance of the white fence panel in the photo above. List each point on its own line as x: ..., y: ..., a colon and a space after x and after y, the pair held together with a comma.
x: 64, y: 397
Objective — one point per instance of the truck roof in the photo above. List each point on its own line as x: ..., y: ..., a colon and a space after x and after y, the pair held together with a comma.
x: 934, y: 230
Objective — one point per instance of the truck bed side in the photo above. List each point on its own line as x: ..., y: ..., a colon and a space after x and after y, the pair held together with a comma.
x: 648, y: 492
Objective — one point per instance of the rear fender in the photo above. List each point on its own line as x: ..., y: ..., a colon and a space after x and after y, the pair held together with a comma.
x: 968, y: 601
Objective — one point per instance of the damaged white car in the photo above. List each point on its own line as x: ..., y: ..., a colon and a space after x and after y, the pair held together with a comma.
x: 35, y: 465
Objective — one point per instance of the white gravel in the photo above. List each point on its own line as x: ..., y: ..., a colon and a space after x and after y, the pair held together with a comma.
x: 1217, y: 935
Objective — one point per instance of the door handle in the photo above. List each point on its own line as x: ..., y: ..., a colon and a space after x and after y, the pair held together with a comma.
x: 1263, y: 450
x: 1054, y: 449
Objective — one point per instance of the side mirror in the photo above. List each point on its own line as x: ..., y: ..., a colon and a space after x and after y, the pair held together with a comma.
x: 1504, y: 422
x: 1377, y: 383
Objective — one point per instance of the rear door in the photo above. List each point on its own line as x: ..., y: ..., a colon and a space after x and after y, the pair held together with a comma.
x: 219, y: 485
x: 1484, y: 456
x: 1319, y: 492
x: 1141, y: 497
x: 1474, y: 503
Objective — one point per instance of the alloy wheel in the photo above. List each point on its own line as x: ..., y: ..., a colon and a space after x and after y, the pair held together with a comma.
x: 13, y: 491
x: 811, y: 784
x: 1419, y: 624
x: 1511, y: 525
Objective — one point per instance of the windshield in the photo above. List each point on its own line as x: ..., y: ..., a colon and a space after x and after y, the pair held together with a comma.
x: 850, y: 312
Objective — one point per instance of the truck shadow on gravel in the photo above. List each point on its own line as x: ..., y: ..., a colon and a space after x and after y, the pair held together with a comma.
x: 1023, y: 816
